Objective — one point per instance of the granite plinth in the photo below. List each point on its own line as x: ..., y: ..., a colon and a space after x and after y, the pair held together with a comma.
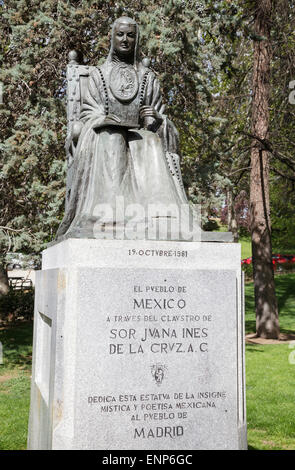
x: 138, y: 345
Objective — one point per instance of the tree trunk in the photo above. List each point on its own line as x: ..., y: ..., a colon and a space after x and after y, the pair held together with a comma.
x: 4, y: 286
x: 231, y: 216
x: 234, y: 227
x: 267, y: 323
x: 229, y: 201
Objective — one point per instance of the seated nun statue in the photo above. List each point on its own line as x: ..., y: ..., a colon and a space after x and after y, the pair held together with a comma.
x: 126, y: 180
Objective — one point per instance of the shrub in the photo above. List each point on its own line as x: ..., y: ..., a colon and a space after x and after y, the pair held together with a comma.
x: 210, y: 226
x: 16, y: 304
x: 248, y: 270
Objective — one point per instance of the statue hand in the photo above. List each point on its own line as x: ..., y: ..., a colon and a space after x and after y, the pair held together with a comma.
x: 149, y: 111
x: 76, y: 131
x: 150, y: 117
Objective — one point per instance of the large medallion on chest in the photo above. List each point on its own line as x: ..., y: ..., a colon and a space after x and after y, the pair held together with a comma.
x: 123, y: 82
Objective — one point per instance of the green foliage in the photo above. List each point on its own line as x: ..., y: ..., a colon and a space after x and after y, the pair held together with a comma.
x: 186, y: 43
x: 202, y: 54
x: 17, y: 341
x: 282, y: 163
x: 248, y: 271
x: 211, y: 226
x: 16, y: 304
x: 283, y: 212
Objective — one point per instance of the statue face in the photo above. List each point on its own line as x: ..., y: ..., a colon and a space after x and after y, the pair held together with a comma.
x: 124, y: 38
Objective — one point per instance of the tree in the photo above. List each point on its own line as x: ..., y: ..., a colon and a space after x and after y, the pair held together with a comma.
x: 184, y: 43
x: 237, y: 209
x: 200, y: 51
x: 267, y: 324
x: 281, y: 141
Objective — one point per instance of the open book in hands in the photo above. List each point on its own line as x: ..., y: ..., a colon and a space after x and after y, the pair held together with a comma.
x: 113, y: 120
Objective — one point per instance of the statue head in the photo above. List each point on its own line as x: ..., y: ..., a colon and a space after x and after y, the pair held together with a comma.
x: 124, y: 42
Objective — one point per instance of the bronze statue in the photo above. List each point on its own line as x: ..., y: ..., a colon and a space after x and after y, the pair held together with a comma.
x: 121, y: 146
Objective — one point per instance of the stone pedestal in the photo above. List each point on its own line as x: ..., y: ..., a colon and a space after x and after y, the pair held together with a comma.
x: 138, y: 345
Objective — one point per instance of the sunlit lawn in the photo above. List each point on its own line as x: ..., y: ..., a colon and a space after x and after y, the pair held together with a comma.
x: 270, y: 375
x: 15, y: 385
x: 270, y: 382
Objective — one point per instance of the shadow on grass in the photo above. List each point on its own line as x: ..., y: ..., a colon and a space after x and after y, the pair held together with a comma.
x: 254, y: 348
x: 285, y: 291
x: 17, y: 344
x: 250, y: 326
x: 250, y: 320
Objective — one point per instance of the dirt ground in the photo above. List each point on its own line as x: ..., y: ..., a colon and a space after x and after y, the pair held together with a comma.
x: 284, y: 338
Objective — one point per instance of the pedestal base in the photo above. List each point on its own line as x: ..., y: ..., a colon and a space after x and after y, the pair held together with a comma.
x: 138, y: 345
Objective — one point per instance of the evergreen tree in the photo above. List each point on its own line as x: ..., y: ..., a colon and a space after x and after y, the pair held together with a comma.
x: 183, y: 40
x: 202, y: 53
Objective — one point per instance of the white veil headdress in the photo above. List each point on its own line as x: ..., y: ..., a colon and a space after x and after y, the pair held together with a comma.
x: 126, y: 20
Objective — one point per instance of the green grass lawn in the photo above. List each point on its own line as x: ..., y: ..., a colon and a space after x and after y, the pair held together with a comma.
x: 15, y: 386
x: 245, y: 241
x: 270, y: 392
x: 246, y: 248
x: 270, y: 380
x: 270, y: 377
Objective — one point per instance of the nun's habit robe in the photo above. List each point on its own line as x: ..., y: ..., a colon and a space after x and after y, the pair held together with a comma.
x: 117, y: 167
